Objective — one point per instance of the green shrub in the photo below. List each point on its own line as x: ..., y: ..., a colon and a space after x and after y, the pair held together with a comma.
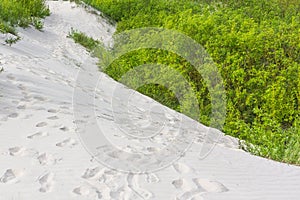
x: 255, y: 44
x: 82, y: 39
x: 21, y: 13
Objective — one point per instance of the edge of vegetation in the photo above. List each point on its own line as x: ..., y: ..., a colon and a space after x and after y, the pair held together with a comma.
x: 255, y: 44
x: 21, y: 13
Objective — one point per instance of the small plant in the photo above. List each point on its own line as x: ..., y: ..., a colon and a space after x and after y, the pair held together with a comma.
x: 38, y: 24
x: 79, y: 37
x: 12, y: 40
x: 6, y: 28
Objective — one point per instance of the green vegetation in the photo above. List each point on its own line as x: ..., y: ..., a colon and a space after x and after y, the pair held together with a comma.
x: 84, y: 40
x: 21, y: 13
x: 256, y: 46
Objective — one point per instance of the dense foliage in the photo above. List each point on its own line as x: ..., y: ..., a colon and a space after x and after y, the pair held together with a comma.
x: 256, y: 46
x: 21, y: 13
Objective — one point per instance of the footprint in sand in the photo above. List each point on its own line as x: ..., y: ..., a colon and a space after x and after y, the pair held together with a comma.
x: 99, y: 194
x: 21, y: 87
x: 195, y: 187
x: 39, y: 98
x: 16, y: 151
x: 152, y: 178
x: 28, y: 116
x: 39, y: 134
x: 92, y: 173
x: 15, y: 102
x: 65, y: 107
x: 4, y: 119
x: 52, y: 111
x: 53, y: 117
x: 13, y: 115
x: 11, y: 175
x: 46, y: 182
x: 119, y: 193
x: 10, y: 77
x: 38, y: 108
x: 181, y: 168
x: 46, y: 159
x: 21, y: 151
x: 179, y: 183
x: 41, y: 124
x: 25, y: 99
x: 82, y: 191
x: 203, y: 186
x: 68, y: 142
x: 210, y: 185
x: 78, y: 121
x: 21, y: 107
x: 132, y: 181
x: 64, y: 128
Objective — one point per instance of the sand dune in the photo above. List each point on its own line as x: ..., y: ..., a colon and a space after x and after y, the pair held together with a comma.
x: 43, y: 157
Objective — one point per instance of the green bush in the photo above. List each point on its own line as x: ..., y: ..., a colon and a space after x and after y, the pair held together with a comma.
x: 255, y: 44
x: 21, y: 13
x: 82, y: 39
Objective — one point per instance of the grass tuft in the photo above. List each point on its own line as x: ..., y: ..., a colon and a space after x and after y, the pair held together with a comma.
x: 87, y: 42
x: 21, y: 13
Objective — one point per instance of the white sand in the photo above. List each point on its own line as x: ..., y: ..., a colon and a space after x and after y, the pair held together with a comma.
x: 41, y: 156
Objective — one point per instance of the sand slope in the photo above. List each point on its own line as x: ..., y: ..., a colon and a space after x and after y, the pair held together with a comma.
x: 41, y: 156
